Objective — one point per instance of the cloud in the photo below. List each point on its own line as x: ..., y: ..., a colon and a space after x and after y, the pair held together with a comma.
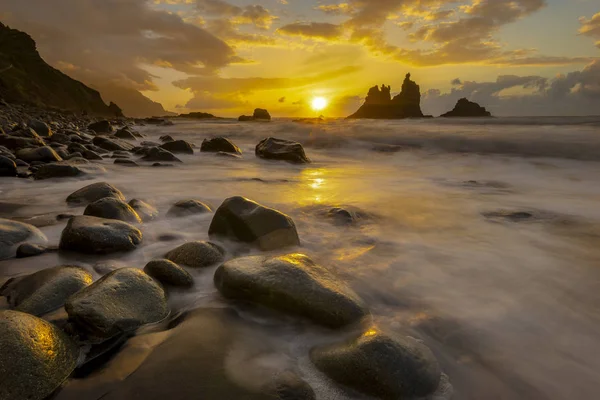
x: 591, y: 27
x: 254, y: 14
x: 312, y: 30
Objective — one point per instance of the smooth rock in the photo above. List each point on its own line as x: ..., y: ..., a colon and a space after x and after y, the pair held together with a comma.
x: 293, y: 284
x: 94, y: 192
x: 169, y: 273
x: 125, y: 133
x: 43, y: 154
x: 111, y: 208
x: 91, y: 235
x: 185, y: 208
x: 219, y: 144
x: 13, y: 233
x: 7, y: 167
x: 144, y: 210
x: 101, y: 127
x: 381, y: 365
x: 31, y: 250
x: 166, y: 138
x: 246, y: 221
x: 45, y: 290
x: 282, y: 150
x: 160, y: 154
x: 49, y: 171
x: 119, y: 302
x: 40, y: 127
x: 197, y: 254
x: 112, y: 144
x: 178, y: 147
x: 91, y: 155
x: 15, y: 143
x: 37, y: 357
x: 126, y: 162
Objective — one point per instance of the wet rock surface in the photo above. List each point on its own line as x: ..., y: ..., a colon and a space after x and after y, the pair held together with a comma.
x: 293, y: 284
x: 94, y: 192
x: 31, y: 250
x: 92, y: 235
x: 51, y: 171
x: 178, y: 147
x: 281, y: 150
x: 185, y: 208
x: 219, y: 144
x: 160, y: 154
x: 7, y: 167
x: 197, y: 254
x: 36, y: 357
x: 43, y: 154
x: 112, y: 208
x: 145, y: 211
x: 168, y: 273
x: 13, y: 233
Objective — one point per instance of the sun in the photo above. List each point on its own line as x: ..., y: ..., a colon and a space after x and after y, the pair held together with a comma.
x: 319, y: 103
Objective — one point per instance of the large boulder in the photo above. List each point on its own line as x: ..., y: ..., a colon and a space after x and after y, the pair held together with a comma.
x: 467, y: 109
x: 112, y: 144
x: 112, y: 208
x: 94, y: 192
x: 13, y: 233
x: 283, y: 150
x: 120, y: 301
x: 14, y: 142
x: 244, y: 220
x: 40, y: 127
x: 49, y: 171
x: 43, y: 154
x: 37, y: 357
x: 144, y: 210
x: 380, y: 365
x: 219, y: 144
x: 291, y: 283
x: 160, y: 154
x: 186, y: 208
x: 178, y: 146
x: 101, y: 127
x: 125, y: 133
x: 7, y: 167
x: 91, y: 235
x: 45, y: 290
x: 168, y: 273
x: 261, y: 114
x: 197, y: 254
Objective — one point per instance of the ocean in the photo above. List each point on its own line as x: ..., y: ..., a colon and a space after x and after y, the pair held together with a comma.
x: 480, y: 237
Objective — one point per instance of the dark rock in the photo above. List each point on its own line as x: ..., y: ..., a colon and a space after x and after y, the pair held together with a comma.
x: 169, y: 273
x: 245, y: 118
x: 166, y: 138
x: 178, y: 146
x: 125, y: 133
x: 219, y: 144
x: 40, y: 127
x: 127, y: 163
x: 160, y: 154
x: 101, y: 127
x: 115, y: 110
x: 61, y: 138
x: 197, y: 254
x: 49, y: 171
x: 73, y: 156
x: 162, y: 165
x: 380, y: 365
x: 380, y: 105
x: 288, y: 386
x: 7, y: 167
x: 91, y: 235
x: 13, y: 233
x: 111, y: 208
x: 197, y: 115
x: 120, y: 301
x: 345, y: 216
x: 37, y: 357
x: 45, y: 290
x: 147, y: 143
x: 15, y: 143
x: 511, y: 216
x: 228, y: 155
x: 246, y: 221
x: 31, y: 250
x: 94, y: 192
x: 261, y: 114
x: 283, y: 150
x: 112, y: 144
x: 96, y: 149
x: 144, y: 210
x: 185, y: 208
x: 27, y: 133
x: 293, y: 284
x: 90, y: 155
x: 76, y: 148
x: 21, y: 163
x: 61, y: 217
x: 466, y: 108
x: 43, y: 154
x: 104, y: 268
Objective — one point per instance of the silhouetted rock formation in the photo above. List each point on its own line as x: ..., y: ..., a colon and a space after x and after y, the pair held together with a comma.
x: 466, y: 108
x: 26, y: 78
x: 133, y: 103
x: 379, y: 103
x: 197, y: 115
x: 260, y: 114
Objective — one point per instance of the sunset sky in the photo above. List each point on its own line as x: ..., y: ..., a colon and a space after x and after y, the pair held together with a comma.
x: 519, y: 57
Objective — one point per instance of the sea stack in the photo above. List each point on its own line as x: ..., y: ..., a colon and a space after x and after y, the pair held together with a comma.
x: 379, y: 103
x: 467, y: 109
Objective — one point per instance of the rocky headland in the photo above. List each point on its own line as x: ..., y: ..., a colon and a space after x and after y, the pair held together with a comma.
x: 467, y: 109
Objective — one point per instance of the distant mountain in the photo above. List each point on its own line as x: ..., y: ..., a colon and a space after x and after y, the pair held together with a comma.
x: 133, y: 103
x: 26, y: 78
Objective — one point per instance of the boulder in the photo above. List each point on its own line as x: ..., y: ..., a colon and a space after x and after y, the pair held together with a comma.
x: 185, y: 208
x: 76, y: 148
x: 219, y: 144
x: 178, y: 146
x: 293, y: 284
x: 197, y: 254
x: 91, y: 155
x: 467, y: 109
x: 40, y: 127
x: 245, y: 118
x: 7, y: 167
x: 101, y: 127
x: 261, y: 114
x: 144, y: 210
x: 49, y: 171
x: 43, y: 154
x: 31, y: 250
x: 112, y: 144
x: 94, y: 192
x: 166, y: 138
x: 92, y: 235
x: 61, y: 138
x: 168, y: 273
x: 26, y: 133
x: 111, y: 208
x: 246, y: 221
x: 119, y: 302
x: 381, y: 365
x: 13, y: 233
x: 37, y: 357
x: 45, y: 290
x: 125, y: 133
x: 160, y: 154
x: 283, y: 150
x: 14, y: 142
